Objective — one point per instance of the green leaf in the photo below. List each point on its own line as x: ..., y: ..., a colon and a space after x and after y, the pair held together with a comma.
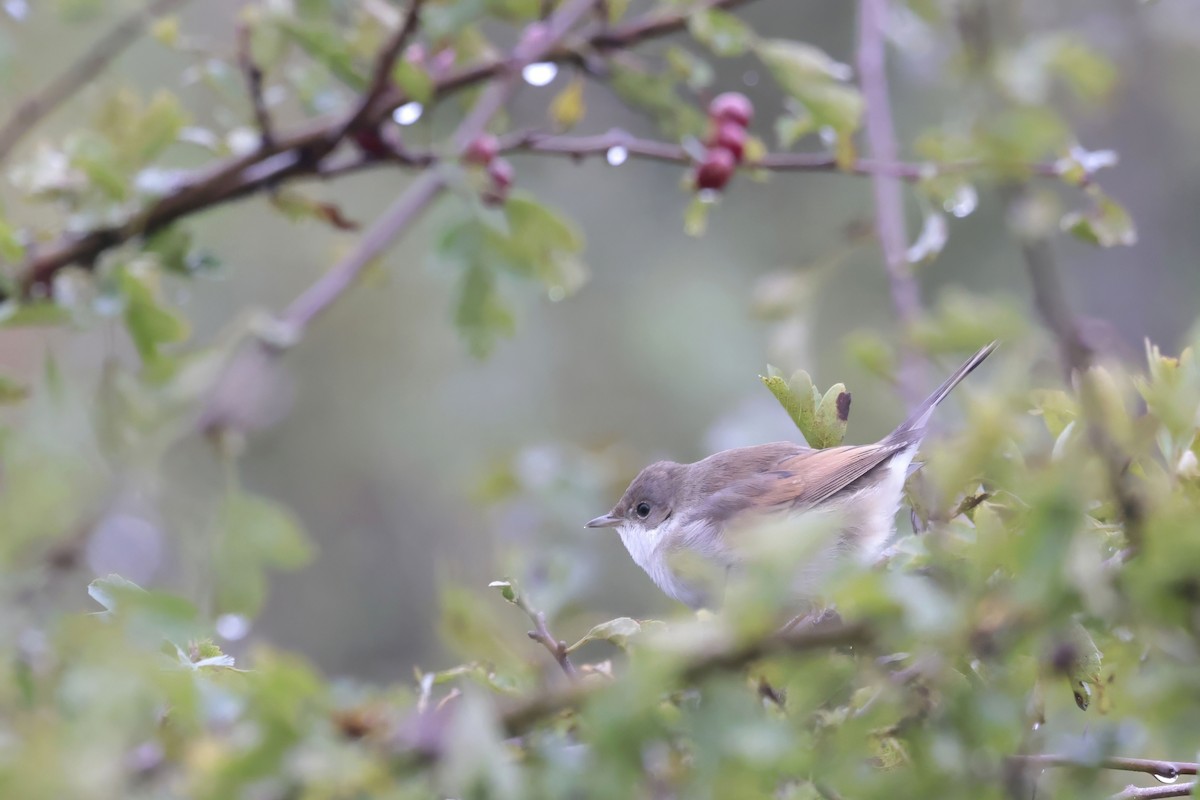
x: 326, y: 46
x: 415, y: 81
x: 657, y: 95
x: 38, y: 313
x: 11, y: 249
x: 482, y: 316
x: 252, y: 534
x: 618, y: 631
x: 157, y: 128
x: 506, y: 590
x: 1106, y: 224
x: 798, y: 65
x: 723, y: 33
x: 567, y: 108
x: 12, y: 390
x: 150, y: 617
x: 831, y: 417
x: 150, y: 324
x: 265, y: 530
x: 695, y: 72
x: 798, y: 404
x: 1082, y: 664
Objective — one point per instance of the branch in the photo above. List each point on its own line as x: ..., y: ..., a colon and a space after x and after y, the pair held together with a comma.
x: 254, y: 84
x: 381, y: 77
x: 889, y: 203
x: 292, y: 154
x: 542, y: 635
x: 423, y: 736
x: 1163, y: 769
x: 1078, y: 357
x: 578, y: 148
x: 1132, y: 792
x: 36, y: 107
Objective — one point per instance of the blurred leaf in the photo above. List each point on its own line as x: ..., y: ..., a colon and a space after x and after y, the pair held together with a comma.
x: 12, y: 391
x: 692, y: 70
x: 618, y: 631
x: 482, y: 316
x: 150, y: 324
x: 723, y: 33
x: 831, y: 417
x: 1106, y: 224
x: 325, y: 46
x: 567, y: 108
x: 656, y: 94
x: 810, y: 76
x: 414, y: 81
x: 506, y: 590
x: 11, y: 249
x: 296, y: 205
x: 252, y: 534
x: 695, y: 216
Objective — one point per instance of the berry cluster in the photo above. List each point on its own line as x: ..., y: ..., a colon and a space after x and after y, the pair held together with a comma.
x: 729, y: 116
x: 482, y: 153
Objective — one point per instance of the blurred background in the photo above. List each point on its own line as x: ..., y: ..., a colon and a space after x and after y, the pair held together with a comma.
x: 396, y: 437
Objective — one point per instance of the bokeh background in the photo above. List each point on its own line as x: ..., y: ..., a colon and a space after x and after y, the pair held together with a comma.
x: 392, y: 427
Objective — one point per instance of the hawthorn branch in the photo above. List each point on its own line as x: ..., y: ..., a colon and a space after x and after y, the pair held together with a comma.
x: 253, y: 75
x: 1132, y: 792
x: 1078, y: 357
x: 381, y: 76
x: 422, y: 737
x: 292, y: 154
x: 542, y: 635
x: 36, y: 107
x: 579, y: 148
x: 889, y: 202
x: 1163, y: 769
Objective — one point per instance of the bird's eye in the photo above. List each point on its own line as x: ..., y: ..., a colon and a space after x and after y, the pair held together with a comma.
x: 643, y: 509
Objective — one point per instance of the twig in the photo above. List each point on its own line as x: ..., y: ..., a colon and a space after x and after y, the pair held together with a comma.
x: 227, y: 180
x: 381, y: 76
x: 889, y: 202
x: 423, y: 736
x: 1078, y: 357
x: 542, y: 635
x: 33, y: 109
x: 1132, y: 792
x: 1151, y: 766
x: 581, y: 147
x: 254, y: 85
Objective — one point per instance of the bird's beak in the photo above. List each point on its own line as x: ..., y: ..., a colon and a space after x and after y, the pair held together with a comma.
x: 607, y: 521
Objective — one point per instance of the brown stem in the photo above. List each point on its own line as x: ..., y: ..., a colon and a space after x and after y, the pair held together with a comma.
x: 889, y: 202
x: 1077, y: 358
x: 33, y: 109
x: 381, y: 76
x: 1151, y: 766
x: 1132, y: 792
x: 253, y: 74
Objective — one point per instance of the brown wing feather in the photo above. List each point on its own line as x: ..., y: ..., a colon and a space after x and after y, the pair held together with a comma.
x: 820, y: 474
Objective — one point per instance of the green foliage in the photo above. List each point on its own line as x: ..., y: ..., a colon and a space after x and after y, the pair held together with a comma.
x: 1036, y: 603
x: 821, y: 419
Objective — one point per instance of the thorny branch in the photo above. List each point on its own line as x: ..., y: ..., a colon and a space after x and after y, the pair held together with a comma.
x: 299, y: 152
x: 33, y: 109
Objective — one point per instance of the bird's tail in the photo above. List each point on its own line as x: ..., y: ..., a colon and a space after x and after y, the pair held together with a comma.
x: 916, y: 423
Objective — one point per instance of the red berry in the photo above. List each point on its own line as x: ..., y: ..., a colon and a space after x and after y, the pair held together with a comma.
x: 716, y: 169
x: 483, y: 150
x: 730, y: 136
x: 371, y: 142
x: 732, y: 107
x: 501, y: 174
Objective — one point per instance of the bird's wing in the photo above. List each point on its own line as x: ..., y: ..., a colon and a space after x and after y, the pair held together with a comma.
x: 797, y: 481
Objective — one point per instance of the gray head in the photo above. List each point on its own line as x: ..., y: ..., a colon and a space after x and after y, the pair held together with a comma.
x: 649, y: 499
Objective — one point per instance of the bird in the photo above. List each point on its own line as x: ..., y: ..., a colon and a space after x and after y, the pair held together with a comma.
x: 674, y: 517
